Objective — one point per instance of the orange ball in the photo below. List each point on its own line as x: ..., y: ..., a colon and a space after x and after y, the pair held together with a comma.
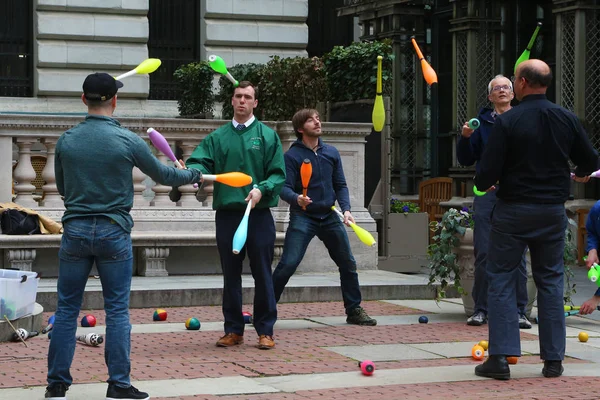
x: 512, y: 360
x: 477, y: 352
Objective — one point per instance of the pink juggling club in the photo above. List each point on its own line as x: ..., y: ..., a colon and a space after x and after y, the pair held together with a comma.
x: 161, y: 144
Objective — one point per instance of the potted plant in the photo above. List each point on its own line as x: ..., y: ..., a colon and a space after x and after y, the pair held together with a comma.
x: 452, y: 261
x: 451, y: 252
x: 408, y: 238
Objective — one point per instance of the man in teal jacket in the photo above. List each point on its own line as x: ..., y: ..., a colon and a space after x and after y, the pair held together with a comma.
x: 93, y: 167
x: 249, y: 146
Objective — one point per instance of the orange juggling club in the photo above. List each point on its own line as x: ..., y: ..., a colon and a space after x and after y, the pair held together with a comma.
x: 305, y: 174
x: 235, y: 179
x: 428, y: 72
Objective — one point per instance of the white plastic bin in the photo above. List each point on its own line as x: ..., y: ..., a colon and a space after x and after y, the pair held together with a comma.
x: 18, y: 291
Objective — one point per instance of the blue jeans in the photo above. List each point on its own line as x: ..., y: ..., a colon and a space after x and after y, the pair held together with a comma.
x: 482, y: 207
x: 85, y: 241
x: 514, y: 227
x: 332, y: 232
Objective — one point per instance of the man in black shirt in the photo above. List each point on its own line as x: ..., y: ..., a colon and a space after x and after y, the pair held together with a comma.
x: 528, y: 153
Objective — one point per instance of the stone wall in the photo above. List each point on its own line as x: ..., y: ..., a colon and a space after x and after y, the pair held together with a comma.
x: 73, y: 38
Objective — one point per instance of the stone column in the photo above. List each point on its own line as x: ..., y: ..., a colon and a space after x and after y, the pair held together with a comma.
x: 152, y: 261
x: 208, y: 188
x: 188, y: 192
x: 138, y: 188
x: 21, y: 259
x: 161, y: 192
x: 51, y: 196
x: 6, y: 173
x: 24, y: 174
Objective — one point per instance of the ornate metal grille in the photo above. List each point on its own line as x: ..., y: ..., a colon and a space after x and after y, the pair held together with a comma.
x: 426, y: 145
x: 567, y: 60
x: 405, y: 146
x: 485, y: 66
x: 174, y: 38
x: 592, y: 80
x: 462, y: 77
x: 16, y: 38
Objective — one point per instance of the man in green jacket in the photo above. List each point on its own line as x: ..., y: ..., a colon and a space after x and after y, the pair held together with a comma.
x: 246, y: 145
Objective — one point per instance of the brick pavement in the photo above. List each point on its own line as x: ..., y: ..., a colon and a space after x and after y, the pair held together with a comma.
x: 192, y: 354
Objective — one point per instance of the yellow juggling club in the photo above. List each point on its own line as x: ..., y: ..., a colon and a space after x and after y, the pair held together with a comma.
x: 378, y: 116
x: 146, y: 67
x: 362, y: 234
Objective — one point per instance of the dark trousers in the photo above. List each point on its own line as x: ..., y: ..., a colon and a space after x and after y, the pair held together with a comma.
x: 331, y: 231
x: 482, y: 207
x: 260, y: 247
x: 541, y: 227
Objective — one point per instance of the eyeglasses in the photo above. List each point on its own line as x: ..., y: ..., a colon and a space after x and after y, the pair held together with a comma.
x: 501, y: 87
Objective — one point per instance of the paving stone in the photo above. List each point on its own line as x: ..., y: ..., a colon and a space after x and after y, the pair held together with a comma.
x: 384, y: 352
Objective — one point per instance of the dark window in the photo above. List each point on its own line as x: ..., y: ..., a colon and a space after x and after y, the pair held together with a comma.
x: 16, y: 36
x: 174, y: 38
x: 326, y: 29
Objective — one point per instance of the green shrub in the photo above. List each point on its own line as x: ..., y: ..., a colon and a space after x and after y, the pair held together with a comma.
x: 196, y: 83
x: 352, y: 70
x: 241, y: 72
x: 289, y: 84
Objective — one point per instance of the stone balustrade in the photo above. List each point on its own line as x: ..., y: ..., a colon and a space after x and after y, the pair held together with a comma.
x: 161, y: 225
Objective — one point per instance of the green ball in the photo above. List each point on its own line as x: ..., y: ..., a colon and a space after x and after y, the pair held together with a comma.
x: 192, y: 324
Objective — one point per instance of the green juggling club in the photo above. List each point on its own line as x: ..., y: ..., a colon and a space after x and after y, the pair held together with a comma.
x: 527, y: 52
x: 218, y: 65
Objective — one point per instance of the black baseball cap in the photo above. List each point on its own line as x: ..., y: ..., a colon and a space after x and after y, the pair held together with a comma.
x: 100, y: 86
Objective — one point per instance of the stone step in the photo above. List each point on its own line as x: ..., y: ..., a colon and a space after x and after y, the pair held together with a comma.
x: 207, y: 290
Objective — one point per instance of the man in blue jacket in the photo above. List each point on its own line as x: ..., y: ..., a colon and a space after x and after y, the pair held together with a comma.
x: 311, y: 215
x: 469, y: 148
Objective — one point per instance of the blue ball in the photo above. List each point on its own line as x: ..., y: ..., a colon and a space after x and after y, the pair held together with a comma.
x: 423, y: 319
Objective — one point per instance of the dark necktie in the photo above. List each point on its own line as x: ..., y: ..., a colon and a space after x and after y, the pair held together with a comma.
x: 240, y: 127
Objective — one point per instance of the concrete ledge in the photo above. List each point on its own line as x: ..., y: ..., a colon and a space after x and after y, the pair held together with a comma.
x: 154, y: 239
x: 88, y: 26
x: 30, y: 323
x: 107, y: 6
x: 280, y: 10
x: 207, y: 290
x: 67, y: 82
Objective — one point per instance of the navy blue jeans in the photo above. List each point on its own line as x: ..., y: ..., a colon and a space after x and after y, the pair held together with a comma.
x: 482, y: 207
x: 86, y: 241
x: 541, y: 227
x: 260, y: 246
x: 333, y: 234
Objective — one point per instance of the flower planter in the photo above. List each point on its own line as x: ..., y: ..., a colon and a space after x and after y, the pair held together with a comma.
x: 466, y: 260
x: 408, y: 238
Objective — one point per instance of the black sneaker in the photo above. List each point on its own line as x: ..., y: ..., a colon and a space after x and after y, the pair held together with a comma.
x: 56, y: 391
x: 131, y: 393
x: 359, y: 316
x: 477, y: 319
x: 524, y: 322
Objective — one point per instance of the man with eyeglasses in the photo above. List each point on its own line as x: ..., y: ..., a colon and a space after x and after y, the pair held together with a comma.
x: 528, y: 152
x: 469, y: 149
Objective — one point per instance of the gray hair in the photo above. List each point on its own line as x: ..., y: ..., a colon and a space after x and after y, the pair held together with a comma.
x: 496, y: 77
